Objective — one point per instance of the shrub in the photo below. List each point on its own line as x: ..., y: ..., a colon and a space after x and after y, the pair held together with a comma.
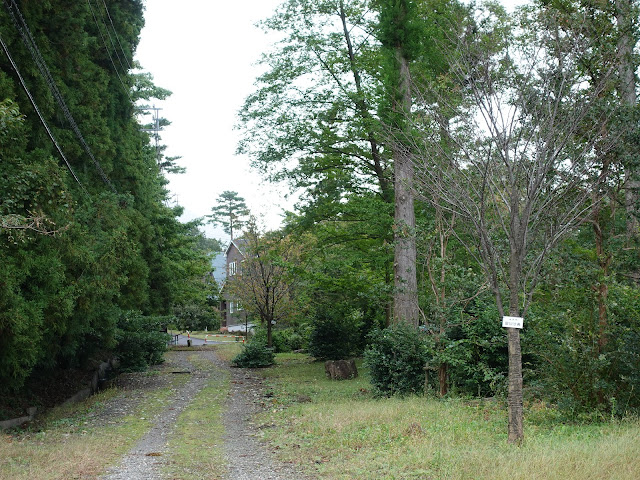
x: 586, y: 379
x: 283, y: 340
x: 280, y: 340
x: 396, y: 357
x: 140, y: 341
x: 334, y: 337
x: 194, y: 316
x: 255, y: 354
x: 287, y: 340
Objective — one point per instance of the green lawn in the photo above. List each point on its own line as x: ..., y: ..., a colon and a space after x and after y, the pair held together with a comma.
x: 338, y: 430
x: 333, y: 430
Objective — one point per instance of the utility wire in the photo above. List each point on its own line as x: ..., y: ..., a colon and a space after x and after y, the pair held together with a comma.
x: 104, y: 42
x: 106, y: 29
x: 124, y: 55
x: 28, y: 40
x: 42, y: 120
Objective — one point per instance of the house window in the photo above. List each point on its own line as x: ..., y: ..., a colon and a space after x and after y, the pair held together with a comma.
x: 232, y: 307
x: 233, y: 268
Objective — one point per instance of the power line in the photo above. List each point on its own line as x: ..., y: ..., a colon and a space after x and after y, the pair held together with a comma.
x: 104, y: 42
x: 106, y: 29
x: 124, y: 55
x: 42, y: 120
x: 27, y: 38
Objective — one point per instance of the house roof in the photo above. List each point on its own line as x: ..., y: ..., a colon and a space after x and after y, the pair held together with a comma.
x: 239, y: 243
x: 219, y: 264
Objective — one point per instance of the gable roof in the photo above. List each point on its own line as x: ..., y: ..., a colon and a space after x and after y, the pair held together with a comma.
x: 219, y: 264
x: 239, y: 243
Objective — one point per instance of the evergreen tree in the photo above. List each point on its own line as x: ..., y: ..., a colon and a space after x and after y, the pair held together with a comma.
x: 85, y: 235
x: 231, y: 212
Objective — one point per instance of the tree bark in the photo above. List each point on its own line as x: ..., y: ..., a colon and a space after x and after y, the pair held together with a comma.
x: 341, y: 369
x: 628, y: 98
x: 602, y: 287
x: 515, y: 397
x: 406, y: 285
x: 442, y: 379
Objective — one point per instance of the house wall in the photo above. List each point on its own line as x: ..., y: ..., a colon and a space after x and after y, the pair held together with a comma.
x: 233, y: 313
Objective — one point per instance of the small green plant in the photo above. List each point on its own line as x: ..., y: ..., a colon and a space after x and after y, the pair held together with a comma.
x: 255, y: 354
x: 396, y: 357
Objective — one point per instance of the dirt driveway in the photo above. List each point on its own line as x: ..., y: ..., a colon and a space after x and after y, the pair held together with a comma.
x: 247, y: 457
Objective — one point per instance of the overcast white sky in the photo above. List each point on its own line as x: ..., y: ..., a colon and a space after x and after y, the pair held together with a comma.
x: 204, y: 52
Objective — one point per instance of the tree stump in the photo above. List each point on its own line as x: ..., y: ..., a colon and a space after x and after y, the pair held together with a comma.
x: 341, y: 369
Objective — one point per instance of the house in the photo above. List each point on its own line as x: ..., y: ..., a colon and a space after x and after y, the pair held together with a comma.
x: 234, y: 317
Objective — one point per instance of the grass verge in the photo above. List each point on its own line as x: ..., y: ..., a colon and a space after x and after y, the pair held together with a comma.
x: 66, y: 444
x: 337, y: 430
x: 227, y: 352
x: 195, y: 447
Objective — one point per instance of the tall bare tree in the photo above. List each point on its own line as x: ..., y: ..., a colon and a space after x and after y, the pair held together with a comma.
x: 522, y: 149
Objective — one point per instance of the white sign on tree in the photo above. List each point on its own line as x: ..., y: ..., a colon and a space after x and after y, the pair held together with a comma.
x: 512, y: 322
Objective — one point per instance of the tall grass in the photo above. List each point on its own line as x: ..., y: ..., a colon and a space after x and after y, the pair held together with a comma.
x: 345, y: 433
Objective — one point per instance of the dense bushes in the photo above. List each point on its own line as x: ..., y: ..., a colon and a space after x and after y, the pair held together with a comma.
x: 140, y: 341
x: 195, y: 316
x: 334, y: 337
x: 255, y: 354
x: 473, y: 349
x: 282, y: 340
x: 589, y: 370
x: 396, y: 357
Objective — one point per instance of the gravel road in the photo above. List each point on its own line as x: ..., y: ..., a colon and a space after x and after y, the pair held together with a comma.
x: 248, y: 458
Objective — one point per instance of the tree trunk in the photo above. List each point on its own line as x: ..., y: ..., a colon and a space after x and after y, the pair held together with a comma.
x: 406, y: 285
x: 515, y: 395
x: 601, y: 288
x: 269, y: 334
x: 515, y: 398
x: 442, y: 379
x: 628, y: 98
x: 341, y: 369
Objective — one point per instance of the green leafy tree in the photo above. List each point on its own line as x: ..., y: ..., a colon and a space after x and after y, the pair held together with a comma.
x: 313, y: 122
x: 263, y: 284
x: 85, y: 233
x: 328, y: 141
x: 398, y: 29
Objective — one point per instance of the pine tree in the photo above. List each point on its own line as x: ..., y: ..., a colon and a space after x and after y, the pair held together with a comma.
x: 231, y: 212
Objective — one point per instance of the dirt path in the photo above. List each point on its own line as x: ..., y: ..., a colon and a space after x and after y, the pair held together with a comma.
x: 247, y: 457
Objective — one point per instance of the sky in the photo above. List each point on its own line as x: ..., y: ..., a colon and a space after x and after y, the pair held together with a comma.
x: 205, y: 52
